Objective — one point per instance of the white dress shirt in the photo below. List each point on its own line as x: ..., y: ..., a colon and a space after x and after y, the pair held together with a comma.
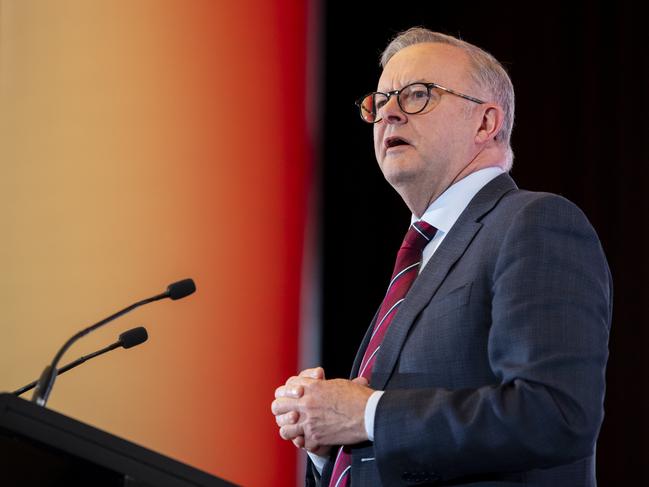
x: 441, y: 214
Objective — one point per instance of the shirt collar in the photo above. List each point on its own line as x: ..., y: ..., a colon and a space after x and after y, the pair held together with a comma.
x: 447, y: 208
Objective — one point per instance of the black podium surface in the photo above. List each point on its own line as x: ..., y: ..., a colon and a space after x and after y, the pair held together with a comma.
x: 40, y: 447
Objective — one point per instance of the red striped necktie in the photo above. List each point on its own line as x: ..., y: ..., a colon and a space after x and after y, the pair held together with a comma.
x: 405, y: 272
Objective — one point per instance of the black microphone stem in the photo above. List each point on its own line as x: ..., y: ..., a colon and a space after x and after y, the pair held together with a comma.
x: 82, y: 333
x: 69, y: 366
x: 46, y: 381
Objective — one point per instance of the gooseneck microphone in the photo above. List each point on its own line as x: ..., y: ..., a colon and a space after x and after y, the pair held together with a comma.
x: 128, y: 339
x: 177, y: 290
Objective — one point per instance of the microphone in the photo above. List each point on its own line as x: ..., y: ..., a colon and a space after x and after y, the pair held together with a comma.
x: 180, y: 289
x: 128, y: 339
x: 177, y: 290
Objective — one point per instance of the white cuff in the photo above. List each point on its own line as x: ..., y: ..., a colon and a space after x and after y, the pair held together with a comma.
x: 370, y: 412
x: 318, y: 461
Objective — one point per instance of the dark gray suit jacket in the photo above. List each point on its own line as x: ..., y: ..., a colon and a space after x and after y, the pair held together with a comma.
x: 494, y: 365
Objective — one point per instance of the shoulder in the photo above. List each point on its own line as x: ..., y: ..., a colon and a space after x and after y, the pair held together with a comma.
x: 500, y: 200
x: 515, y: 207
x: 546, y: 229
x: 515, y: 223
x: 539, y: 225
x: 522, y: 204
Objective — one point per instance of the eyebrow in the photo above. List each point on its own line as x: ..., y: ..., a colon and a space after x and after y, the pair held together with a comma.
x: 420, y: 80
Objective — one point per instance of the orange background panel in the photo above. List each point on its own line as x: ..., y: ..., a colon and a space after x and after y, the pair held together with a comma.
x: 142, y: 142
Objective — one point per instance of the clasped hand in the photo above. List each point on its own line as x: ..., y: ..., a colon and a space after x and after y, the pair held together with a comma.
x: 316, y: 414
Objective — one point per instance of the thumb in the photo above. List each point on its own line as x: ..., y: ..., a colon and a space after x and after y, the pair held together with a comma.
x: 314, y: 373
x: 361, y: 381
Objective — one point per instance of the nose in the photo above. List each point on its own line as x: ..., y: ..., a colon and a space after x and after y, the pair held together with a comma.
x: 391, y: 112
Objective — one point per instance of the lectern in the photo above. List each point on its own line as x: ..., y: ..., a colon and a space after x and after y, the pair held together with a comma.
x: 40, y: 447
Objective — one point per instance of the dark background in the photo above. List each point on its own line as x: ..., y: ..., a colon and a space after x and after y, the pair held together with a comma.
x: 581, y: 79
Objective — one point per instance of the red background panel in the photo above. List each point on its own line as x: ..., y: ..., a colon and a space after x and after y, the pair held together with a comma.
x: 140, y: 143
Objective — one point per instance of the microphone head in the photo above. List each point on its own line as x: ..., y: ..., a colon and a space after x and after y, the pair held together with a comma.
x: 133, y: 337
x: 181, y: 289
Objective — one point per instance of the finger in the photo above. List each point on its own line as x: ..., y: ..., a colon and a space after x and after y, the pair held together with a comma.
x: 288, y: 418
x: 295, y: 391
x: 298, y: 441
x: 322, y: 451
x: 361, y: 381
x: 311, y: 445
x: 298, y: 381
x: 314, y: 373
x: 290, y: 431
x: 283, y: 405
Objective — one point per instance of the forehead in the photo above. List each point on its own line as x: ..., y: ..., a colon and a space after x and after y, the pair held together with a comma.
x: 431, y: 62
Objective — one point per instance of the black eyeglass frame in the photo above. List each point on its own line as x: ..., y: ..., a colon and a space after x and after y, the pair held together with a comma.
x: 429, y: 87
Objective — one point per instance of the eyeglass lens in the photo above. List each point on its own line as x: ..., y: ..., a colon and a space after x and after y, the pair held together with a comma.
x: 412, y: 99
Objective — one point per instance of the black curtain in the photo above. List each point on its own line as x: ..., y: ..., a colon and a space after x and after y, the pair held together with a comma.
x: 582, y: 108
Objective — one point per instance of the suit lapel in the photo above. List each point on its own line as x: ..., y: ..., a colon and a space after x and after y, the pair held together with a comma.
x: 363, y: 346
x: 432, y: 276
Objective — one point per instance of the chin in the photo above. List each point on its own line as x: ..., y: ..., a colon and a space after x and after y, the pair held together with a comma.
x: 399, y: 179
x: 399, y: 172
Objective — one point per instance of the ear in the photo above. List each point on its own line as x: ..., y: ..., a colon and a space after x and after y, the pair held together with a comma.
x: 491, y: 123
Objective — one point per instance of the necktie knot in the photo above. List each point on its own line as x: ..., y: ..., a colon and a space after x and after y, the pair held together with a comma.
x: 418, y: 236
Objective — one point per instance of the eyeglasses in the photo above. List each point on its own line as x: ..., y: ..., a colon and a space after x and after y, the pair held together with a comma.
x: 412, y: 99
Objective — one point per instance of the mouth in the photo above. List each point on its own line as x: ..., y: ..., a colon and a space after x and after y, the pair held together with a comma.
x: 394, y: 141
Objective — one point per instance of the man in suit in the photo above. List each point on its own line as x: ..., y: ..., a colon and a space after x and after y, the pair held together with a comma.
x: 487, y: 367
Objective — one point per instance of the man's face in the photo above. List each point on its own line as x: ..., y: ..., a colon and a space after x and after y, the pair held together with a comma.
x: 439, y: 142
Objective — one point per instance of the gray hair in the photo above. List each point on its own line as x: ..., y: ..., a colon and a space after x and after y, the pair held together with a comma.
x: 486, y: 72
